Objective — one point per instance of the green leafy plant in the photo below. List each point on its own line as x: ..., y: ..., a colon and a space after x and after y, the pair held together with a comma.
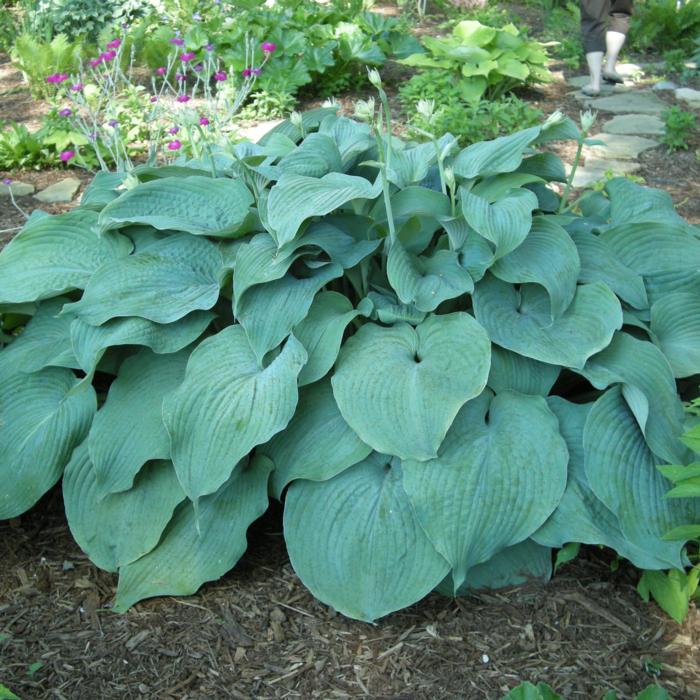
x: 674, y: 60
x: 484, y: 62
x: 440, y: 376
x: 562, y: 27
x: 679, y: 125
x: 661, y: 25
x: 542, y: 691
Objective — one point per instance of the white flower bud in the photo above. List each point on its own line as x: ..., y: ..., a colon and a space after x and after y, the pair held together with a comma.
x: 426, y: 109
x: 588, y: 120
x: 374, y: 77
x: 364, y: 110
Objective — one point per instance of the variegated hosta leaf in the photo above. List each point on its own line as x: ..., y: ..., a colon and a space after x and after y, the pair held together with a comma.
x: 54, y: 254
x: 505, y: 223
x: 128, y: 430
x: 400, y: 388
x: 227, y: 405
x: 675, y: 324
x: 203, y: 206
x: 355, y: 542
x: 116, y: 529
x: 621, y: 471
x: 317, y: 444
x: 493, y: 483
x: 42, y: 418
x: 521, y: 321
x: 202, y: 546
x: 163, y: 283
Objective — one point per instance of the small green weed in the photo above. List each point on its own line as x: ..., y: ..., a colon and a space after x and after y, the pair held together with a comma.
x: 680, y: 126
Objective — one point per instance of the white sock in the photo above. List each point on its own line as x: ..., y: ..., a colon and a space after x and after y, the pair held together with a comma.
x: 614, y: 42
x: 595, y: 67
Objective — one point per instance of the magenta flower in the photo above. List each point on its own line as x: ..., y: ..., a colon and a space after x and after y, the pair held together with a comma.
x: 182, y: 98
x: 179, y: 76
x: 198, y: 68
x: 174, y: 145
x: 108, y: 55
x: 203, y: 121
x: 160, y: 70
x: 268, y: 47
x: 173, y: 130
x: 114, y: 44
x: 65, y: 112
x: 154, y: 99
x: 7, y: 181
x: 65, y: 156
x: 113, y: 123
x: 57, y: 78
x: 187, y: 56
x: 220, y: 75
x: 257, y: 71
x: 94, y: 62
x: 78, y: 87
x: 209, y: 47
x: 177, y: 41
x: 246, y: 72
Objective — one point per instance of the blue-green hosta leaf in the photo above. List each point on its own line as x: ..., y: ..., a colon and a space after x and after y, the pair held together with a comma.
x: 400, y: 388
x: 521, y: 321
x: 310, y: 121
x: 513, y: 372
x: 648, y: 387
x: 547, y: 257
x: 475, y: 253
x: 128, y: 430
x: 102, y: 190
x: 505, y: 223
x: 621, y: 471
x: 544, y: 165
x: 200, y: 547
x: 496, y: 187
x: 295, y: 198
x: 426, y: 281
x: 410, y: 166
x: 660, y: 285
x: 335, y: 236
x: 493, y: 483
x: 163, y: 283
x: 117, y: 529
x: 389, y: 310
x: 654, y: 248
x: 352, y: 138
x: 414, y: 201
x: 600, y: 264
x: 317, y: 444
x: 316, y: 156
x: 227, y: 405
x: 512, y: 566
x: 90, y: 342
x: 269, y: 312
x: 675, y: 323
x: 44, y: 342
x: 355, y: 542
x: 580, y: 515
x: 321, y: 332
x: 630, y: 202
x: 501, y: 155
x: 41, y: 421
x: 54, y: 254
x: 203, y: 206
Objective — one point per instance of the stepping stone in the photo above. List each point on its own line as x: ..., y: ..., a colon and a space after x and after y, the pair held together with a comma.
x: 595, y: 170
x: 640, y: 102
x: 692, y: 97
x: 18, y: 189
x: 665, y: 85
x: 580, y: 80
x: 256, y: 132
x: 634, y: 124
x: 619, y: 147
x: 60, y: 192
x: 605, y: 90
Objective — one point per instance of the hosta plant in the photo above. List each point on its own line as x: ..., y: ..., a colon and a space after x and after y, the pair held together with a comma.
x: 439, y: 376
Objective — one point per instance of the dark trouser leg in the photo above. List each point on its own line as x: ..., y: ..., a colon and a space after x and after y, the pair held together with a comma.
x: 594, y: 15
x: 620, y: 11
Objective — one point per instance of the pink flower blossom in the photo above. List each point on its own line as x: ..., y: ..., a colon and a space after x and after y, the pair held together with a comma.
x: 113, y: 123
x: 94, y: 62
x: 174, y: 145
x: 114, y: 44
x: 154, y: 98
x: 187, y: 56
x: 7, y: 181
x: 160, y: 70
x: 198, y: 68
x: 220, y: 75
x: 268, y: 47
x: 177, y: 41
x: 179, y: 76
x: 203, y: 121
x: 256, y: 71
x: 246, y: 72
x: 173, y: 130
x: 108, y: 55
x: 65, y: 156
x: 209, y: 47
x: 57, y: 78
x: 65, y: 112
x: 78, y: 87
x: 182, y: 98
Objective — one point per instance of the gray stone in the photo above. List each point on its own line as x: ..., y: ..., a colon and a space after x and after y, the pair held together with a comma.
x: 619, y: 147
x: 19, y: 189
x: 256, y: 132
x: 596, y: 169
x: 665, y: 85
x: 692, y: 97
x: 640, y: 102
x: 634, y: 124
x: 60, y: 192
x: 580, y: 81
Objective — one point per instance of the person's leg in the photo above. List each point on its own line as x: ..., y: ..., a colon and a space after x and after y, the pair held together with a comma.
x: 620, y: 11
x: 593, y: 17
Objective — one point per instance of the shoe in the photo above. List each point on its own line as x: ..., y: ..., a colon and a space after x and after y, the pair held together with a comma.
x: 612, y: 77
x: 589, y: 91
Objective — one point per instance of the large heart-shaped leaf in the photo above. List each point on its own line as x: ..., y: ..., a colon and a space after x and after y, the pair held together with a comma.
x: 513, y: 372
x: 521, y: 321
x: 119, y: 528
x: 675, y: 323
x: 163, y: 283
x: 54, y: 254
x: 202, y: 546
x: 128, y: 430
x: 41, y: 421
x: 227, y: 405
x: 400, y: 388
x: 317, y: 444
x: 203, y: 206
x: 493, y: 482
x: 356, y: 544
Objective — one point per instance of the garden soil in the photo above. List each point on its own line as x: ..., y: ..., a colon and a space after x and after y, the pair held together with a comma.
x: 258, y: 633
